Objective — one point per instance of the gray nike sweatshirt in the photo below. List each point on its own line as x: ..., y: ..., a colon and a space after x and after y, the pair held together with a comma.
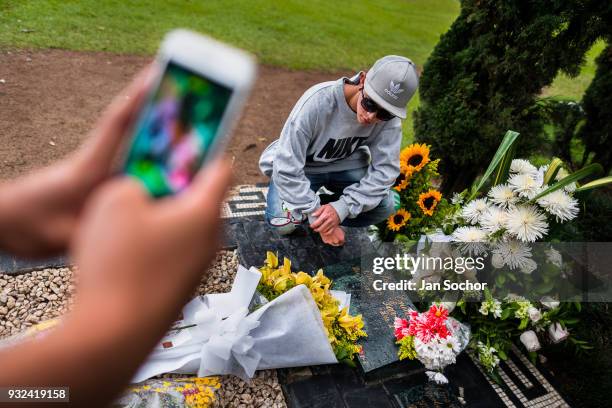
x: 322, y: 135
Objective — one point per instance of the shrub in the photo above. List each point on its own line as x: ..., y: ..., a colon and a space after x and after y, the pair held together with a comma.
x: 486, y: 72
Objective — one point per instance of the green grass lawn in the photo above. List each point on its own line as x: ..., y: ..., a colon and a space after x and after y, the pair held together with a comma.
x: 323, y: 35
x: 303, y: 35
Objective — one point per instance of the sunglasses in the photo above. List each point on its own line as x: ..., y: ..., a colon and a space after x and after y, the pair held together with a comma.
x: 371, y: 106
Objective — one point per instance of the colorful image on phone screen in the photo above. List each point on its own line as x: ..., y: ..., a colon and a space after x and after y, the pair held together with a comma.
x: 175, y: 131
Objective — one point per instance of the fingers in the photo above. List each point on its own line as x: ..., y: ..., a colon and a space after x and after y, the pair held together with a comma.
x: 205, y: 195
x: 321, y: 215
x: 121, y: 193
x: 317, y: 223
x: 318, y: 211
x: 213, y: 181
x: 325, y: 225
x: 327, y: 231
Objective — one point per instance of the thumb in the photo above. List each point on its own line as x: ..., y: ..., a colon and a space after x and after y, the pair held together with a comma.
x: 209, y: 187
x: 116, y: 194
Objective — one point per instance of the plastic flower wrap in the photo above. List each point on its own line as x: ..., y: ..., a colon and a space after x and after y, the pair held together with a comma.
x: 188, y: 392
x: 432, y: 337
x: 342, y: 329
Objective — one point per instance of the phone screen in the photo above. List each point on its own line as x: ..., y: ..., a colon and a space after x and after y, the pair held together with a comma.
x: 176, y: 129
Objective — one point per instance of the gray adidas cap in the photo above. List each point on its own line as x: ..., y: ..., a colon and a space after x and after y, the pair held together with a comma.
x: 391, y: 82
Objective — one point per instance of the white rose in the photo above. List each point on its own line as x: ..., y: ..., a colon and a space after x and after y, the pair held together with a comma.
x: 484, y: 310
x: 529, y: 266
x: 530, y: 340
x: 497, y: 261
x: 557, y: 333
x: 534, y: 314
x: 550, y: 303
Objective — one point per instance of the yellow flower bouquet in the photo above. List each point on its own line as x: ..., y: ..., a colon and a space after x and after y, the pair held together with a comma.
x: 421, y: 206
x: 342, y: 329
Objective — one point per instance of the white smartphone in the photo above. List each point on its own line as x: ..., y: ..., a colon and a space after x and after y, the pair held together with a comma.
x: 189, y: 112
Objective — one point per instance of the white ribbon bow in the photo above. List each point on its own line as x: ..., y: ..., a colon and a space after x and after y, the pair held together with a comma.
x: 218, y: 335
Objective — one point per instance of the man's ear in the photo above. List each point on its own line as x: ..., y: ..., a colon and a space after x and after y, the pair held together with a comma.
x: 362, y: 77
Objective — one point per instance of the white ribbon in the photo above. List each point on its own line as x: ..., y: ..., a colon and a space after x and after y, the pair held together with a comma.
x: 219, y: 336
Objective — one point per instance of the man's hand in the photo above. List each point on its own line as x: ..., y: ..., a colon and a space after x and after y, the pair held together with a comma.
x: 335, y: 237
x: 40, y: 211
x: 327, y: 219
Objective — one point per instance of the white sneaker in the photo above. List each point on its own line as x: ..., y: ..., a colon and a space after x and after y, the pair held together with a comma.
x: 287, y: 223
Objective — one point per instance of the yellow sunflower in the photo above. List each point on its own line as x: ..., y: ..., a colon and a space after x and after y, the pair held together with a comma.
x: 398, y: 220
x: 403, y: 179
x: 414, y: 157
x: 429, y: 200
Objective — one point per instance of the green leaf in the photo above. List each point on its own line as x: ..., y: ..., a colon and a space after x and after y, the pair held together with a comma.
x: 578, y: 175
x: 595, y: 184
x: 496, y: 377
x: 553, y: 168
x: 523, y: 324
x: 506, y: 313
x: 533, y: 356
x: 500, y: 280
x: 506, y: 143
x: 502, y: 354
x: 504, y: 166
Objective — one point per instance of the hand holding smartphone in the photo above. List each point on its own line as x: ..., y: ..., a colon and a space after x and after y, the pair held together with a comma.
x: 189, y: 113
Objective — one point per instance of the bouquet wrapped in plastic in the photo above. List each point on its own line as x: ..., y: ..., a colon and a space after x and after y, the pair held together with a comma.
x: 433, y: 338
x: 218, y: 334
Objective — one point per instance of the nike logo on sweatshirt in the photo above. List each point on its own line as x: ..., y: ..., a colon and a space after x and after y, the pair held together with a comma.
x: 336, y: 149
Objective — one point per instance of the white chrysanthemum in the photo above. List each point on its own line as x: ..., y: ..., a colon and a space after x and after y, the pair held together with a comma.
x: 474, y: 209
x: 450, y: 343
x: 503, y: 196
x: 514, y: 253
x: 526, y: 223
x: 525, y: 185
x: 560, y: 204
x: 561, y: 174
x: 457, y: 199
x: 521, y: 166
x: 472, y: 239
x: 493, y: 219
x: 469, y: 234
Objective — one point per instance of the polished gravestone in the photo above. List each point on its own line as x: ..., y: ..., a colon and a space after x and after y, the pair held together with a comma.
x: 343, y: 265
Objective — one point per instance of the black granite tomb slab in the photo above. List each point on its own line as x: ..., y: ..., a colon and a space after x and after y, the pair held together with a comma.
x: 13, y: 265
x: 343, y: 265
x: 469, y: 382
x: 316, y: 392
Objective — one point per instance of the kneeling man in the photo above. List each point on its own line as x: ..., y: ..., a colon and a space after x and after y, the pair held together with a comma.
x: 345, y: 136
